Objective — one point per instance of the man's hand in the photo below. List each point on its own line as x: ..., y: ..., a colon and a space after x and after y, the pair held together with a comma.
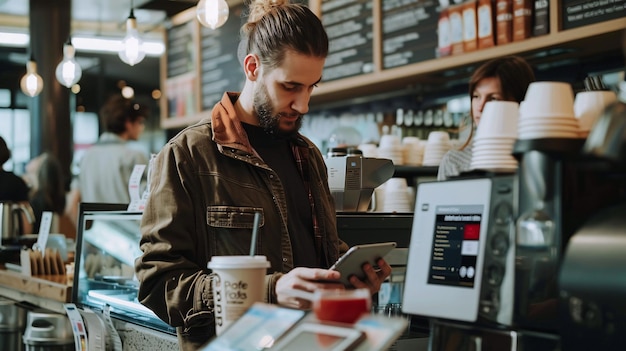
x: 306, y: 279
x: 373, y: 278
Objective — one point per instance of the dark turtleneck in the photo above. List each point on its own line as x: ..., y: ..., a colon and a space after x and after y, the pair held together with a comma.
x: 276, y: 152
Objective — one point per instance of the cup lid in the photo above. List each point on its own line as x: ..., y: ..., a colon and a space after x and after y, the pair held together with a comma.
x: 228, y: 262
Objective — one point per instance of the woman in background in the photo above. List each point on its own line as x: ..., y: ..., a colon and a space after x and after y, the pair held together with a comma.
x: 45, y: 176
x: 501, y: 79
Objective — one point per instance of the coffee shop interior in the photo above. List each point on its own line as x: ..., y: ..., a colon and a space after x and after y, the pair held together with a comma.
x: 542, y: 271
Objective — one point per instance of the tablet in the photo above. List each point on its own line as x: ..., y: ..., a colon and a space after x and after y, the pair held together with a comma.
x: 320, y: 337
x: 257, y: 329
x: 351, y: 262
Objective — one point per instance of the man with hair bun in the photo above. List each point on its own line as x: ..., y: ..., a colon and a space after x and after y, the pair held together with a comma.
x: 248, y: 157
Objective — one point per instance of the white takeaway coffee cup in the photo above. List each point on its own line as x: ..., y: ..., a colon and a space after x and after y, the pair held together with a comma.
x: 238, y: 282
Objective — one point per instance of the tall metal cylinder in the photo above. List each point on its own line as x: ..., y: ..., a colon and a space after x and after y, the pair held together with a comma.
x: 12, y: 320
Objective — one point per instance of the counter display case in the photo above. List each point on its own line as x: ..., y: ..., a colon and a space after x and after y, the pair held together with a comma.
x: 107, y: 244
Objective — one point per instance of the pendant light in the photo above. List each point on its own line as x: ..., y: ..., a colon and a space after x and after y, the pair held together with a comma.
x: 31, y: 83
x: 68, y: 71
x: 132, y: 51
x: 212, y: 13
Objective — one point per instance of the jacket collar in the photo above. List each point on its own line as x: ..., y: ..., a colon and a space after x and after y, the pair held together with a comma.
x: 226, y: 126
x: 227, y: 129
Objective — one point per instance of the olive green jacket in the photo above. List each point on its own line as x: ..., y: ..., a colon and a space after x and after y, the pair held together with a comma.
x: 206, y: 184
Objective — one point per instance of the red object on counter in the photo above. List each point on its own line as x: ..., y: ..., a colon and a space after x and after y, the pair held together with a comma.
x: 341, y: 309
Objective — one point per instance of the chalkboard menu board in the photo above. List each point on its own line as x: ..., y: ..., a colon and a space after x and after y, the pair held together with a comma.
x: 349, y: 27
x: 576, y: 13
x: 221, y: 70
x: 181, y: 80
x: 180, y: 49
x: 409, y: 32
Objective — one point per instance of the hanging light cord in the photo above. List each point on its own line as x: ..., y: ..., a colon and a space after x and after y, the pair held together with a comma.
x: 132, y: 12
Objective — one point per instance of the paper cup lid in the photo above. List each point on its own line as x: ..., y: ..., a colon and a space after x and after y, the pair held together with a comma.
x: 229, y: 262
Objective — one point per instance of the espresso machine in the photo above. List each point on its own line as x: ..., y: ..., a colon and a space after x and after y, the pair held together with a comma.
x: 353, y: 178
x: 530, y: 260
x: 591, y: 280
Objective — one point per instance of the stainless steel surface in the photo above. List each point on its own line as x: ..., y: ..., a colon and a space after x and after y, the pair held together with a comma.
x: 591, y: 283
x: 12, y: 320
x: 607, y: 138
x: 456, y: 336
x: 48, y: 329
x: 352, y: 180
x: 10, y: 216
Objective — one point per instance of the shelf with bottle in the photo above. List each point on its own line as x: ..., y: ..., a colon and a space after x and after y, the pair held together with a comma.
x: 558, y: 44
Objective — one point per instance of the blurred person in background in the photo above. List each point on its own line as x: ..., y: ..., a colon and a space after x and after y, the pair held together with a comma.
x: 106, y: 167
x: 44, y: 174
x: 500, y: 79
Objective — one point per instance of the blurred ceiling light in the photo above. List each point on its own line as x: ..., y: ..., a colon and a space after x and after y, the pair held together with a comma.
x: 128, y: 92
x: 85, y: 43
x: 132, y: 51
x: 75, y: 88
x: 31, y: 83
x: 68, y: 71
x: 14, y: 39
x: 212, y: 13
x: 156, y: 94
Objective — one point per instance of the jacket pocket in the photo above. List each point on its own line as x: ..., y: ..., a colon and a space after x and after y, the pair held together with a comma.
x: 233, y: 217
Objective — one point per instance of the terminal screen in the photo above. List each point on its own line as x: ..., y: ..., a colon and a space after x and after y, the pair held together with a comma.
x: 455, y: 245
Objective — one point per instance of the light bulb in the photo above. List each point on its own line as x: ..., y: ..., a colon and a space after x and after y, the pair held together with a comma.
x: 31, y: 83
x: 68, y: 71
x: 132, y: 51
x: 212, y: 13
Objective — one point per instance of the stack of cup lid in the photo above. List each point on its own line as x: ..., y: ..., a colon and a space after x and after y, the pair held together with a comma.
x: 413, y: 150
x: 589, y: 106
x: 548, y: 112
x: 437, y: 145
x: 369, y: 150
x: 495, y: 135
x: 390, y: 147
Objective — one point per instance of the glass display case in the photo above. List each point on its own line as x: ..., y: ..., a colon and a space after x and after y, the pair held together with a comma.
x: 107, y: 244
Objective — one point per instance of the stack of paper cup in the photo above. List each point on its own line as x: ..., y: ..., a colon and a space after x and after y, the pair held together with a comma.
x: 495, y: 135
x: 589, y: 106
x: 548, y: 112
x: 369, y: 150
x: 437, y: 145
x: 396, y: 198
x: 390, y: 147
x: 413, y: 150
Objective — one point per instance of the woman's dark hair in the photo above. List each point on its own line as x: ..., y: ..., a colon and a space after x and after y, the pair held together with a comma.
x: 275, y: 26
x: 514, y: 74
x: 50, y: 194
x: 51, y: 183
x: 117, y: 110
x: 5, y: 153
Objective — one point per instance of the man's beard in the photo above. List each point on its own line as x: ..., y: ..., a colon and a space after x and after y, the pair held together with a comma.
x: 269, y: 121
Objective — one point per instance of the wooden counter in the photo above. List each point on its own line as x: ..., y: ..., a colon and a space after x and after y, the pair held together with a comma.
x: 53, y: 287
x: 52, y: 292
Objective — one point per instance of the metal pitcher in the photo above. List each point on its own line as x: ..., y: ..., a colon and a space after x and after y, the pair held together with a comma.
x: 10, y: 217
